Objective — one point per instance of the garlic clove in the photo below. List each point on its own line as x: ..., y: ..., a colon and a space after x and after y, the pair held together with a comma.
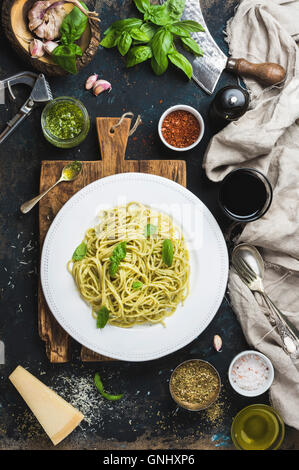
x: 91, y: 81
x: 100, y: 86
x: 49, y: 46
x: 217, y: 343
x: 36, y: 48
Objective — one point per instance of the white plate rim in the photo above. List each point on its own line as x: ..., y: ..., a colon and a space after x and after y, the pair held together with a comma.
x: 220, y: 288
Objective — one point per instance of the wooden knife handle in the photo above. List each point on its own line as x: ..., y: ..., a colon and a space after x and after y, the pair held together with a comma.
x: 268, y: 73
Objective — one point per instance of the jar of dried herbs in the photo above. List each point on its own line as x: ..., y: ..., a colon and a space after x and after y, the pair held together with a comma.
x: 195, y: 384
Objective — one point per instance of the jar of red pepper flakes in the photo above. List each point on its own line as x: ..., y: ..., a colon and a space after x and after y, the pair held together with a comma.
x: 181, y: 128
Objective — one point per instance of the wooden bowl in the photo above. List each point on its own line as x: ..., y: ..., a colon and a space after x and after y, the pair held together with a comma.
x: 15, y: 25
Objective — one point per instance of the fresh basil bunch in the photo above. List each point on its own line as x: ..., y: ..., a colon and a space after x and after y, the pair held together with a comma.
x: 154, y: 36
x: 71, y: 29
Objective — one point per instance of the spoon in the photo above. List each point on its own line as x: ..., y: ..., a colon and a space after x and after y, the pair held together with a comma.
x: 249, y: 265
x: 69, y: 173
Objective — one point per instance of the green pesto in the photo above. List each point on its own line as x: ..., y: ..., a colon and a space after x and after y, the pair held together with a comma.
x: 65, y: 120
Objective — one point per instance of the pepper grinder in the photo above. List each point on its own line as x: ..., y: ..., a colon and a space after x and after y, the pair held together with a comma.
x: 229, y: 104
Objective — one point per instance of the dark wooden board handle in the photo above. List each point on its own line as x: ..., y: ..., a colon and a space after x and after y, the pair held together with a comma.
x: 268, y: 72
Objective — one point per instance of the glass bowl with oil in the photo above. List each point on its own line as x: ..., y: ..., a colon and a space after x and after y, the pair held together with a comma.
x: 195, y: 385
x: 65, y: 122
x: 257, y: 427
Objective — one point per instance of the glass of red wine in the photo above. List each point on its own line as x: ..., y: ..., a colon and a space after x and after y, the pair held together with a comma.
x: 245, y: 195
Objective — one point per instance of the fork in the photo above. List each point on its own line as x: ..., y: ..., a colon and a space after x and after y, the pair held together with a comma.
x: 289, y: 334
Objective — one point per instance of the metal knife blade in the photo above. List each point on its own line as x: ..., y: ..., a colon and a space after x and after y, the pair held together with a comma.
x: 206, y: 69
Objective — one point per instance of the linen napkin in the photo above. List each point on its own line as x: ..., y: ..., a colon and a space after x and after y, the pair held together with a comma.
x: 267, y: 138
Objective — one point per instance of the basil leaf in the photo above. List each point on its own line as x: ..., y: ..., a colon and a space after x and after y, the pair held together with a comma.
x: 110, y: 39
x: 138, y: 54
x: 100, y: 387
x: 161, y: 43
x: 149, y: 29
x: 76, y: 49
x: 150, y: 230
x: 102, y: 317
x: 159, y: 69
x: 142, y: 5
x: 157, y: 14
x: 65, y: 57
x: 167, y: 252
x: 124, y: 43
x: 139, y: 35
x: 113, y: 267
x: 178, y: 31
x: 169, y: 12
x: 136, y: 285
x: 180, y: 61
x: 190, y: 26
x: 124, y: 25
x: 175, y: 9
x: 80, y: 252
x: 192, y: 46
x: 73, y: 25
x: 119, y: 253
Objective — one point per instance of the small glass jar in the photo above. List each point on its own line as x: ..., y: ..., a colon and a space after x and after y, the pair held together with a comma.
x: 245, y: 194
x: 69, y: 117
x: 257, y: 427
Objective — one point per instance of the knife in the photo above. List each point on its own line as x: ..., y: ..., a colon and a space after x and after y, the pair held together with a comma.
x: 207, y: 69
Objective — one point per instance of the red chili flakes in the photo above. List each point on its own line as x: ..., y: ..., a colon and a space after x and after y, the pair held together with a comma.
x: 180, y: 129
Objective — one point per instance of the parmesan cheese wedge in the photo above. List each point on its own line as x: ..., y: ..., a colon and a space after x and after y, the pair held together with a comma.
x: 56, y: 416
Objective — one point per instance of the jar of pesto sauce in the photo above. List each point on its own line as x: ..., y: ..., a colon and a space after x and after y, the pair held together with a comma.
x: 65, y: 122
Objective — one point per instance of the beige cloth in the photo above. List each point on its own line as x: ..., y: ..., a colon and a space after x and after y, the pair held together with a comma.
x: 267, y: 138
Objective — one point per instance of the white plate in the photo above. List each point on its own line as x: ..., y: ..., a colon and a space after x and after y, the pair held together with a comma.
x: 208, y: 261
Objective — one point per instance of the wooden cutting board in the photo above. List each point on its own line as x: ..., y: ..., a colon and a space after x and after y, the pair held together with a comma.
x: 113, y: 147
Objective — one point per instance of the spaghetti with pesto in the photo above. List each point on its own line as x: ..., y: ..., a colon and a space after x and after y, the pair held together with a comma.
x: 133, y: 266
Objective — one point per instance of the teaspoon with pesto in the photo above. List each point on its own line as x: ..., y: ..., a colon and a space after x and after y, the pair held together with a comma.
x: 69, y: 173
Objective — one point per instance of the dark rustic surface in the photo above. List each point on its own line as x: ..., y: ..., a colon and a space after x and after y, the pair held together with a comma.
x: 146, y: 417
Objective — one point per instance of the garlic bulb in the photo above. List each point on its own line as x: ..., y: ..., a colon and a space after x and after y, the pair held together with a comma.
x: 46, y: 16
x: 45, y: 19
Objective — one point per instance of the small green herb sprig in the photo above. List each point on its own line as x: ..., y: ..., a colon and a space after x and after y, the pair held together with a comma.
x: 71, y: 29
x: 167, y: 252
x: 118, y: 255
x: 102, y: 317
x: 154, y: 37
x: 80, y: 252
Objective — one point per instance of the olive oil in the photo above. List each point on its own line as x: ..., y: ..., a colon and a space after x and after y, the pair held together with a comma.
x: 257, y: 427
